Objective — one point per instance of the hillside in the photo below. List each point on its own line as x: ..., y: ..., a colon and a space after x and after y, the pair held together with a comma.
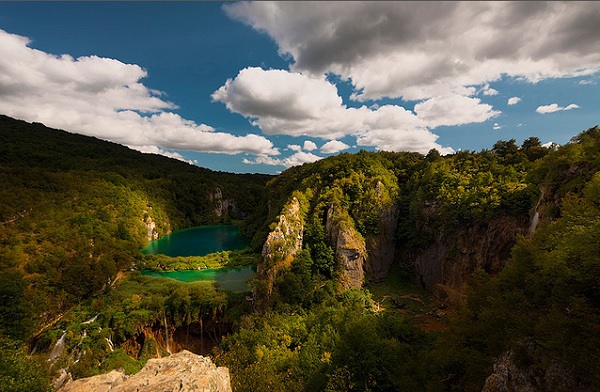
x: 75, y: 210
x: 377, y: 271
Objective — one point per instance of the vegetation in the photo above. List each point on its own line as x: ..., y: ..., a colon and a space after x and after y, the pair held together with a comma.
x: 74, y: 213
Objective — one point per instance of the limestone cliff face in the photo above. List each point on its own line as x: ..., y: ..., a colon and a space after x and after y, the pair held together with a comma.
x: 450, y: 259
x: 224, y: 207
x: 184, y: 371
x: 282, y: 243
x: 552, y: 376
x: 349, y: 246
x: 381, y: 247
x: 151, y: 232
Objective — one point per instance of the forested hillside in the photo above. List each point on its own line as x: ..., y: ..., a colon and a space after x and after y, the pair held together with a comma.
x: 75, y: 210
x: 377, y: 271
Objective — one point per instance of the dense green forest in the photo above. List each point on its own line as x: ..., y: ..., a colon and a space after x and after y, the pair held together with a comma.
x: 74, y: 213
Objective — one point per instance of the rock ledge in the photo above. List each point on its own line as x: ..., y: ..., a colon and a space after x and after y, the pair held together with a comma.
x: 183, y: 371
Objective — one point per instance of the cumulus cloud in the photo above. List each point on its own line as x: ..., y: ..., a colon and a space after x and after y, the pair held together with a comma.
x: 105, y: 98
x: 454, y: 109
x: 496, y: 126
x: 309, y: 145
x: 554, y: 107
x: 298, y: 158
x: 333, y: 146
x: 487, y: 90
x: 513, y: 100
x: 290, y: 103
x: 420, y: 50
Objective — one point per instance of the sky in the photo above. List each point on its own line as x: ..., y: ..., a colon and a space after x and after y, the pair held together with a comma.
x: 258, y: 87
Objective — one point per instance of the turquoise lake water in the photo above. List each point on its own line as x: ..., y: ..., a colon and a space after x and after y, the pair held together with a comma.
x: 229, y: 279
x: 199, y: 241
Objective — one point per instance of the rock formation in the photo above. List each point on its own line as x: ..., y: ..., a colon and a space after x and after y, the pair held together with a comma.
x: 184, y: 371
x: 448, y: 262
x: 381, y: 248
x: 545, y: 374
x: 349, y: 246
x: 224, y: 207
x: 282, y: 243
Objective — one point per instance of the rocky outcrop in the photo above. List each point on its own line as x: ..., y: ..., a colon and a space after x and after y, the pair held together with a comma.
x: 282, y: 243
x: 224, y: 207
x: 151, y: 232
x: 184, y: 371
x: 381, y: 248
x: 349, y: 246
x: 450, y: 259
x: 544, y: 375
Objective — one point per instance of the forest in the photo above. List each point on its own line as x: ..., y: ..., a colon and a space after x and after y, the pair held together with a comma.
x: 471, y: 262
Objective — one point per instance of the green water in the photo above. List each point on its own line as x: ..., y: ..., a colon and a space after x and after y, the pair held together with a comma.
x: 229, y: 279
x: 199, y: 241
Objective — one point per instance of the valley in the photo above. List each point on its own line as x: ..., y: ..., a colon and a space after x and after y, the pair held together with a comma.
x: 374, y: 271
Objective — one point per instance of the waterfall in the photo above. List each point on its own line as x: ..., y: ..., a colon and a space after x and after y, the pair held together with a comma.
x: 534, y: 222
x: 93, y: 319
x: 535, y: 219
x: 111, y: 346
x: 166, y: 333
x: 58, y: 348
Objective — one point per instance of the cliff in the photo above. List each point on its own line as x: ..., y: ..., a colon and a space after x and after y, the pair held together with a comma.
x: 446, y: 264
x: 184, y: 371
x: 349, y: 247
x: 282, y: 243
x: 544, y: 374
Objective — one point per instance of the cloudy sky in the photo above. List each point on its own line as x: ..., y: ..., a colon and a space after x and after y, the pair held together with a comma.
x: 259, y: 87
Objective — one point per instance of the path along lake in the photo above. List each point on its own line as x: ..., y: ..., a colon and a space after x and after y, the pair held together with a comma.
x: 200, y: 241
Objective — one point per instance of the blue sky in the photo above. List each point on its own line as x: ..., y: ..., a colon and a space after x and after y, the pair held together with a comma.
x: 259, y: 87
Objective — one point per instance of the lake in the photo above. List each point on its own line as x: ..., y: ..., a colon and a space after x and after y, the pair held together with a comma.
x: 199, y: 241
x: 228, y: 279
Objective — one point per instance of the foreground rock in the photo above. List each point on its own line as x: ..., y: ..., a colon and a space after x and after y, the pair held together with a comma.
x: 184, y: 371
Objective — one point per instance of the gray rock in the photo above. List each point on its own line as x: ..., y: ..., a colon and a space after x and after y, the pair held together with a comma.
x: 183, y: 371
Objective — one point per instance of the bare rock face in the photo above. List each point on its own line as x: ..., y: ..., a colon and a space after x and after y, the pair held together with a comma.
x: 282, y: 243
x: 448, y: 262
x: 546, y: 374
x: 381, y: 248
x: 184, y: 371
x: 350, y: 248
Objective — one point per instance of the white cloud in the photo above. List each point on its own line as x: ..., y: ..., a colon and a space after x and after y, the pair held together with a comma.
x: 333, y: 146
x: 453, y: 109
x: 309, y: 145
x: 294, y: 147
x: 290, y: 103
x: 554, y: 107
x: 487, y: 90
x: 105, y: 98
x: 298, y: 158
x: 513, y: 100
x: 419, y: 50
x: 496, y: 126
x: 160, y: 151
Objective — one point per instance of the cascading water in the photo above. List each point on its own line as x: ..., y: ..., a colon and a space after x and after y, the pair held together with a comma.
x: 534, y: 222
x: 58, y: 348
x: 111, y: 346
x: 92, y: 320
x: 535, y: 219
x: 166, y: 332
